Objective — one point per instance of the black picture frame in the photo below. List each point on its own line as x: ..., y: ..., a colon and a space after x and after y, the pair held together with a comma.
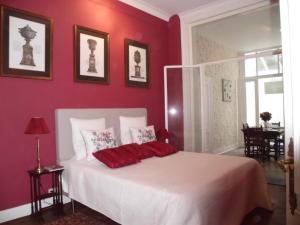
x: 26, y: 44
x: 91, y: 58
x: 136, y: 64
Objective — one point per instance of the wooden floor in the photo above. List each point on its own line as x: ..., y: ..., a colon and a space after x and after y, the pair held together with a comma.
x: 256, y: 217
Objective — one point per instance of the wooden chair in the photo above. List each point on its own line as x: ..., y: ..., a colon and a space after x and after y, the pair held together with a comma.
x: 254, y: 142
x: 281, y: 145
x: 271, y: 144
x: 280, y: 139
x: 245, y: 125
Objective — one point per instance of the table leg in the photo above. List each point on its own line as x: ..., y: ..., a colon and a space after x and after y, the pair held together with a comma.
x: 39, y: 193
x: 35, y: 195
x: 60, y: 187
x: 31, y: 194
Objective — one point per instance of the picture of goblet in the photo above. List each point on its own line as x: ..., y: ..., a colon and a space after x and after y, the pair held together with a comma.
x: 92, y: 59
x: 137, y: 59
x: 28, y: 34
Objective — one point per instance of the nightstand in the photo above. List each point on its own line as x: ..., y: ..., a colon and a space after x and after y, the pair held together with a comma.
x: 38, y: 194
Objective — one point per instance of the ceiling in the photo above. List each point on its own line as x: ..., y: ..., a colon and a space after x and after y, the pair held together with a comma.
x: 174, y: 6
x: 254, y: 30
x: 167, y: 8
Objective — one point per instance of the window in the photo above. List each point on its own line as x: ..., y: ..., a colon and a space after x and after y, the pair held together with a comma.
x: 264, y: 87
x: 270, y: 95
x: 267, y: 65
x: 250, y: 103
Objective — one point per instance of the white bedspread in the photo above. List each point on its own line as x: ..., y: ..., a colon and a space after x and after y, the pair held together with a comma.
x: 181, y: 189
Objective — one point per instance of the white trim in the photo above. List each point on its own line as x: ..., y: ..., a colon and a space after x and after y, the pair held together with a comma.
x: 146, y: 7
x: 188, y: 106
x: 203, y: 116
x: 24, y: 210
x: 260, y: 54
x: 227, y: 149
x: 166, y: 98
x: 289, y: 17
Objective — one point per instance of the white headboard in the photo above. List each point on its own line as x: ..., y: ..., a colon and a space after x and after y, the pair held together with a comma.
x: 64, y: 146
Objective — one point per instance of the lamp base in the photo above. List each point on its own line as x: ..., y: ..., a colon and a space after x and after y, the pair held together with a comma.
x: 39, y: 169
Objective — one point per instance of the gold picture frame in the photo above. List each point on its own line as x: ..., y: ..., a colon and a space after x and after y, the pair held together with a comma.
x: 91, y: 58
x: 26, y: 44
x: 136, y: 64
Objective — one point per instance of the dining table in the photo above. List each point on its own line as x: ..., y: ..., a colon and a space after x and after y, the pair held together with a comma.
x: 275, y: 135
x: 274, y: 139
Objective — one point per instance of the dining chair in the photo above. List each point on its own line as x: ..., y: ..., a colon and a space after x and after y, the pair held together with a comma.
x: 281, y: 144
x: 280, y: 139
x: 272, y: 145
x: 245, y: 125
x: 254, y: 142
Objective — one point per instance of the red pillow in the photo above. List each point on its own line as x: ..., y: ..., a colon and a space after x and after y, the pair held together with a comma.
x: 116, y: 157
x: 159, y: 148
x: 142, y: 153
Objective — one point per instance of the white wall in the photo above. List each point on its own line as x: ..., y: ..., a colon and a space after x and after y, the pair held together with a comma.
x: 221, y: 117
x: 206, y: 13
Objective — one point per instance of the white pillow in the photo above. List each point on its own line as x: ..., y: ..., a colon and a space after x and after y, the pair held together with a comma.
x: 143, y: 135
x: 130, y: 122
x: 88, y: 124
x: 96, y: 140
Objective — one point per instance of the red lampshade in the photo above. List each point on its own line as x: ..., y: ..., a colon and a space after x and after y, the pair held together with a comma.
x: 37, y: 125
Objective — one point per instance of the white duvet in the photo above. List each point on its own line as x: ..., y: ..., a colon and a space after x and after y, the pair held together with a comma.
x: 181, y: 189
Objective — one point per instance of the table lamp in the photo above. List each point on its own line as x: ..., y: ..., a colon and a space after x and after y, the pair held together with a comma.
x: 37, y: 125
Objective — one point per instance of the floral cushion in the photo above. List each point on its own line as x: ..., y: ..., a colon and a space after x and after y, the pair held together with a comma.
x: 143, y: 135
x: 96, y: 140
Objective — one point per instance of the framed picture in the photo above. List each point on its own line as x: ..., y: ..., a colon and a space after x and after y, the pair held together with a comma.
x: 26, y: 44
x: 136, y: 63
x: 227, y: 90
x: 91, y: 55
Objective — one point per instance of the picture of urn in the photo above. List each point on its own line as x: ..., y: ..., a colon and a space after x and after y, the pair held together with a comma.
x: 92, y: 60
x: 28, y: 34
x: 137, y: 59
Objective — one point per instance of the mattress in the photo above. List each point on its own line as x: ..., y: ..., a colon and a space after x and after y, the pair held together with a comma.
x: 185, y: 188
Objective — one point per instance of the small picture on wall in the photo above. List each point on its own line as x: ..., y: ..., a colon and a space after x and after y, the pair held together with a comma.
x: 227, y: 90
x: 91, y: 55
x: 26, y: 44
x: 136, y: 63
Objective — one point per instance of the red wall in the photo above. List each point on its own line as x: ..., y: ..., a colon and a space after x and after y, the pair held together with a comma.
x: 21, y: 99
x: 175, y: 92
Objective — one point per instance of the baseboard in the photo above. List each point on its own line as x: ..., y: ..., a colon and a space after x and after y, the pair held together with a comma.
x: 227, y: 149
x: 24, y: 210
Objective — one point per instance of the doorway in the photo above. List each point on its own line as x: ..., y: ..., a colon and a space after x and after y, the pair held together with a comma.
x: 256, y: 93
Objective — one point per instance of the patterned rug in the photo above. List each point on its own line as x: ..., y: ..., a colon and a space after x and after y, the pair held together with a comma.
x: 254, y: 218
x: 80, y: 218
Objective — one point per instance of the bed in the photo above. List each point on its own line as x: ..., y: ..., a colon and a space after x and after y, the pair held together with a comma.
x: 184, y: 188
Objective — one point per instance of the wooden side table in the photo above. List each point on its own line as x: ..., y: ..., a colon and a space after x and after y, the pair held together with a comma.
x: 36, y: 191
